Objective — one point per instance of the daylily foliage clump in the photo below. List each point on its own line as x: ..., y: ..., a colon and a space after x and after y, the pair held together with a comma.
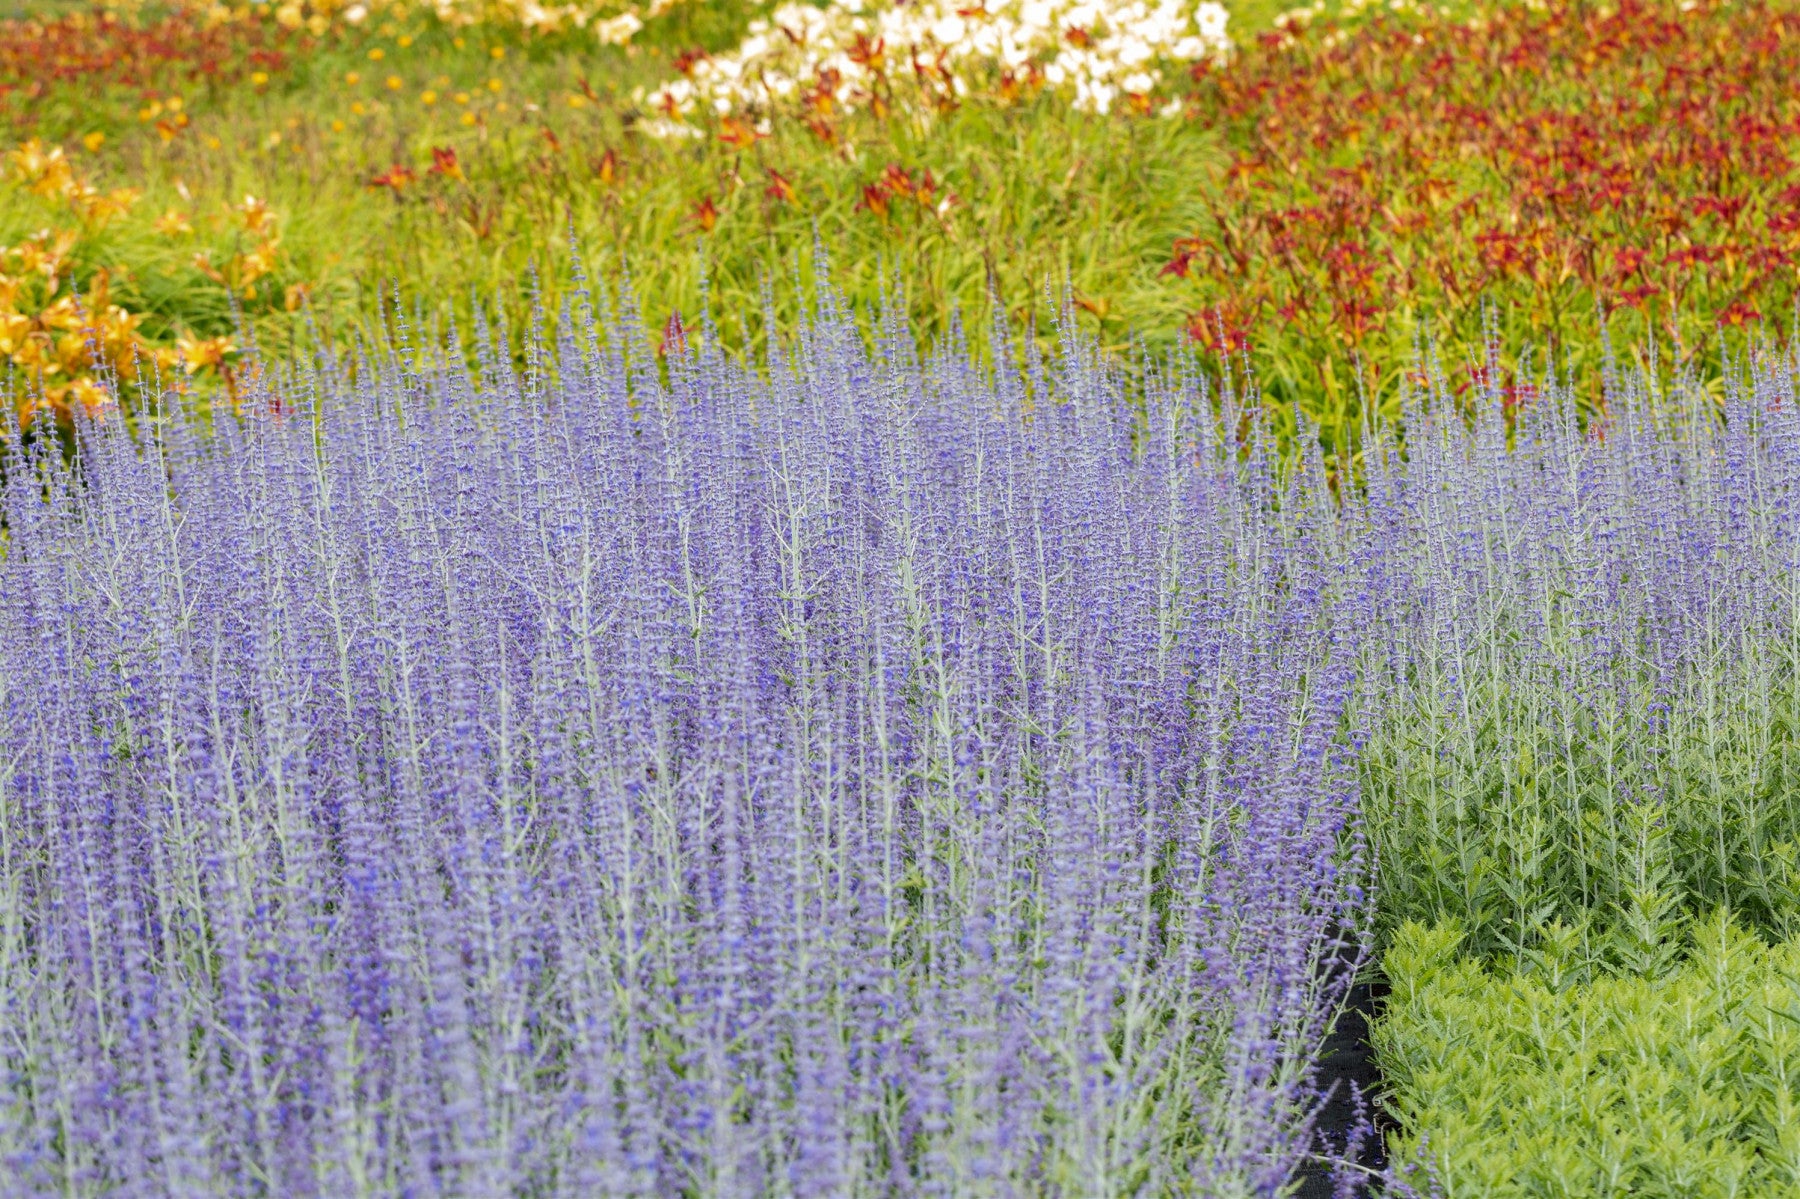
x: 67, y: 340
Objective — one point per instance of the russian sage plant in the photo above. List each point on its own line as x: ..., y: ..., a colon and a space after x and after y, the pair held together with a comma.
x: 1590, y: 667
x: 862, y: 776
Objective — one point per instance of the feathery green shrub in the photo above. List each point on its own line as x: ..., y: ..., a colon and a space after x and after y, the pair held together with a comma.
x: 1562, y: 1079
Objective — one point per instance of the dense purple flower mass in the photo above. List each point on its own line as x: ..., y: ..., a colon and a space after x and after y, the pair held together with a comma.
x: 870, y: 776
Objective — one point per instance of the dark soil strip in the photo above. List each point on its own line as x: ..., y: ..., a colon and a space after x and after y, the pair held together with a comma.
x: 1348, y: 1059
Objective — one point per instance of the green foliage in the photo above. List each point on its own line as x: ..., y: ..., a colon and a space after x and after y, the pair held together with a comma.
x: 1039, y: 196
x: 1564, y: 1078
x: 1517, y: 809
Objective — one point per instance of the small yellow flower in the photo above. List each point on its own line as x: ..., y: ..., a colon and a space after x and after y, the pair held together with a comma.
x: 428, y: 97
x: 173, y: 223
x: 273, y: 140
x: 377, y: 54
x: 494, y: 85
x: 577, y: 100
x: 395, y: 83
x: 204, y: 265
x: 405, y: 40
x: 32, y: 160
x: 254, y: 212
x: 497, y: 52
x: 202, y: 353
x: 357, y: 109
x: 94, y: 141
x: 258, y: 262
x: 458, y: 42
x: 85, y: 391
x: 467, y: 118
x: 352, y: 79
x: 461, y: 97
x: 98, y: 209
x: 338, y: 126
x: 173, y: 103
x: 259, y: 78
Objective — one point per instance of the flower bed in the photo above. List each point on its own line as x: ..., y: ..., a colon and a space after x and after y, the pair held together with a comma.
x: 854, y: 55
x: 861, y: 781
x: 1391, y: 179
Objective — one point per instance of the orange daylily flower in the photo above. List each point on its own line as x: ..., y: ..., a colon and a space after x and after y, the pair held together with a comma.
x: 780, y: 187
x: 738, y: 134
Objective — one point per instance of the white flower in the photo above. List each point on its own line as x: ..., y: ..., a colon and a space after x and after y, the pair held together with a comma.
x: 661, y: 127
x: 1121, y: 42
x: 1210, y: 20
x: 949, y: 30
x: 616, y: 31
x: 1133, y: 52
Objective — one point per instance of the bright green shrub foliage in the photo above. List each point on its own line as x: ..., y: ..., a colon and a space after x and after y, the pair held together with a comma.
x: 1533, y: 1082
